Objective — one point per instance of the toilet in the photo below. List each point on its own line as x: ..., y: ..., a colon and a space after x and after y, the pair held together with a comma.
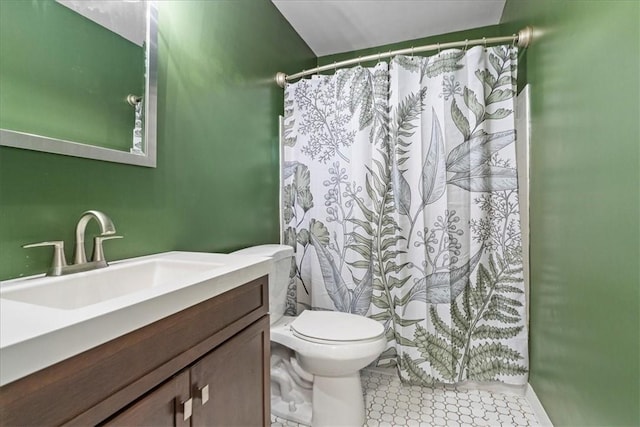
x: 316, y: 357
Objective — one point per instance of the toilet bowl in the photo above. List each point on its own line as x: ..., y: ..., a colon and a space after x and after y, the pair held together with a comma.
x: 333, y: 350
x: 328, y: 351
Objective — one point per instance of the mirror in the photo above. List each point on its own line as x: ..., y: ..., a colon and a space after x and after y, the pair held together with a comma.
x: 73, y: 86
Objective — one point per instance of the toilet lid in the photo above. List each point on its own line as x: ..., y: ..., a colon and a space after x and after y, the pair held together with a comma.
x: 335, y: 326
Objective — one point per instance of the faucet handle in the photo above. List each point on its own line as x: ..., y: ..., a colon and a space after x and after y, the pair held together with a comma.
x: 98, y: 252
x: 58, y: 261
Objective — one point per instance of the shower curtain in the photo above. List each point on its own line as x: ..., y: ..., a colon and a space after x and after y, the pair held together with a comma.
x: 400, y: 200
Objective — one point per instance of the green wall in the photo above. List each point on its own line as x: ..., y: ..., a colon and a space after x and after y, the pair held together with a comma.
x: 585, y: 94
x: 215, y: 187
x: 66, y: 77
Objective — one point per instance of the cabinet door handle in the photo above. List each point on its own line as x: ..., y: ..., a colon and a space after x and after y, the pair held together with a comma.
x: 204, y: 394
x: 187, y: 409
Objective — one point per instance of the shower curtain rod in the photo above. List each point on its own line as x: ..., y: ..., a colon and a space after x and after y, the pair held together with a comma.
x: 523, y: 39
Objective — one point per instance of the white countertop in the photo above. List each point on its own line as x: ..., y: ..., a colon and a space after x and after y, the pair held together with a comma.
x: 33, y: 337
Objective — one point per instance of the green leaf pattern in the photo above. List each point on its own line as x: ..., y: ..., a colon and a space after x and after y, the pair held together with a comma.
x: 400, y: 199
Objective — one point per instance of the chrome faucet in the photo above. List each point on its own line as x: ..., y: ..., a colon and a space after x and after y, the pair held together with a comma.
x: 106, y: 229
x: 59, y: 265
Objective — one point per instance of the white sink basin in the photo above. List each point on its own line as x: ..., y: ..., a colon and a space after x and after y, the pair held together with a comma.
x: 44, y: 320
x: 92, y: 287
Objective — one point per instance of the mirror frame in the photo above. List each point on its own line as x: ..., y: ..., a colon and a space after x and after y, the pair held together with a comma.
x: 16, y: 139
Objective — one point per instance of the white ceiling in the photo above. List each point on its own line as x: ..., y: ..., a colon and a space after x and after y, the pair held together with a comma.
x: 334, y: 26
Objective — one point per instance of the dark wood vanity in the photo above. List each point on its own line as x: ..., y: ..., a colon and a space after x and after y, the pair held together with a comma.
x: 207, y: 365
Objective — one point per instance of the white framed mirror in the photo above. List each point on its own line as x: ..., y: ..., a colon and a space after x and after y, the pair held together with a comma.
x: 135, y: 145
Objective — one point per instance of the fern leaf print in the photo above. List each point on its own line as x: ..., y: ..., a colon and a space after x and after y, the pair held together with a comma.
x: 400, y: 197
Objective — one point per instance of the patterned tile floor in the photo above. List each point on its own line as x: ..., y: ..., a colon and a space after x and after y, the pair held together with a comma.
x: 389, y: 403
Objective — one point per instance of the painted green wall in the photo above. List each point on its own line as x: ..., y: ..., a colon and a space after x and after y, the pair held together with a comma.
x: 64, y: 76
x: 585, y: 327
x: 215, y: 187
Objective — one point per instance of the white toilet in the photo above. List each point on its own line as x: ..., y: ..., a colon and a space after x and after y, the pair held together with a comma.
x: 315, y: 378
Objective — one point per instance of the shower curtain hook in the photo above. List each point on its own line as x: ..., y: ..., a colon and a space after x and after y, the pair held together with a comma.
x: 412, y: 51
x: 515, y: 39
x: 359, y: 60
x: 438, y: 47
x: 335, y: 67
x: 466, y: 44
x: 484, y: 40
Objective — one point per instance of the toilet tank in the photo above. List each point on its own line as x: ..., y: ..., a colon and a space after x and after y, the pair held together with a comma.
x: 278, y: 276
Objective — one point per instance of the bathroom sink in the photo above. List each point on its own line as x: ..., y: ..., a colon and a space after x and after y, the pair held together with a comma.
x: 84, y: 289
x: 44, y: 320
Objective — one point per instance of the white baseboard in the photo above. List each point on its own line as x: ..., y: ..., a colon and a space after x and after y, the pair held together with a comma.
x: 536, y: 406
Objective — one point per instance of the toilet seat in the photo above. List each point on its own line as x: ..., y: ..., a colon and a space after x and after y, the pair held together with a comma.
x: 335, y: 328
x: 330, y: 350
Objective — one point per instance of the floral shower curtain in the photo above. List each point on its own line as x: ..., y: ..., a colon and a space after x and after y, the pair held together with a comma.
x: 400, y: 199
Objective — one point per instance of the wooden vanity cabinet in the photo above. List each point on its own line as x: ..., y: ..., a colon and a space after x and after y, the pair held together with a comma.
x: 236, y: 379
x: 160, y: 408
x: 233, y: 375
x: 150, y: 376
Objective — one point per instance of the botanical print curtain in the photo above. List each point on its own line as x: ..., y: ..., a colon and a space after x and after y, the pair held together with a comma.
x: 400, y: 199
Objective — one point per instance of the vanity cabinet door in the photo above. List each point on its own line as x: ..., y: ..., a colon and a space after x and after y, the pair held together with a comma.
x: 162, y: 407
x: 237, y: 376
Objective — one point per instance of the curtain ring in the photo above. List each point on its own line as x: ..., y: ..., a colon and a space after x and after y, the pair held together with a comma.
x: 438, y: 47
x: 466, y: 44
x: 379, y: 56
x: 359, y: 60
x: 484, y: 40
x: 515, y: 39
x: 335, y: 67
x: 389, y: 55
x: 412, y: 51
